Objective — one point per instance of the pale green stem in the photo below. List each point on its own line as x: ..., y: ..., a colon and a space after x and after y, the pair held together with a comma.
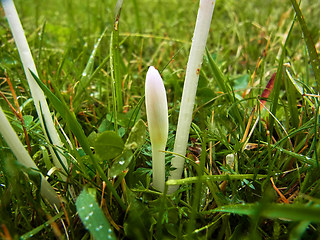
x: 200, y: 36
x: 39, y: 99
x: 24, y: 158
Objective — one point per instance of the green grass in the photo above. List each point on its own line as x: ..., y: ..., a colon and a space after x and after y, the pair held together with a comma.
x: 109, y: 149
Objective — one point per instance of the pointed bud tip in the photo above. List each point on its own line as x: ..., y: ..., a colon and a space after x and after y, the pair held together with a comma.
x: 152, y: 72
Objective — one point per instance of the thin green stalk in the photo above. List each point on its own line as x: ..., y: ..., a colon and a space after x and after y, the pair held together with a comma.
x: 137, y: 15
x: 115, y: 58
x: 198, y: 187
x: 277, y: 83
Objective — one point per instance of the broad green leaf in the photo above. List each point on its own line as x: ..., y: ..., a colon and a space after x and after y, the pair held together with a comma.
x: 108, y: 145
x: 93, y: 218
x: 121, y: 163
x: 28, y: 119
x: 241, y: 82
x: 137, y: 136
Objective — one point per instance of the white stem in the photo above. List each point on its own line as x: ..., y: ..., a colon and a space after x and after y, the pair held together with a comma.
x: 200, y: 36
x: 24, y: 158
x: 36, y: 92
x: 158, y: 167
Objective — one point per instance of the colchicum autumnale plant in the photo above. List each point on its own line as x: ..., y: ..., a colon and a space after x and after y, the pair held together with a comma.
x: 158, y: 124
x: 39, y: 99
x: 199, y: 40
x: 24, y: 158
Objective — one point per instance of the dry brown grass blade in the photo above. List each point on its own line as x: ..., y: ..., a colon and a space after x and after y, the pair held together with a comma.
x: 283, y: 198
x: 17, y: 111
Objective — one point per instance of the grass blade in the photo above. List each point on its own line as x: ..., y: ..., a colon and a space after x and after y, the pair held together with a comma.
x: 115, y: 58
x: 223, y: 85
x: 77, y: 130
x: 295, y: 212
x: 93, y: 218
x: 277, y: 83
x: 42, y: 226
x: 315, y: 62
x: 214, y: 178
x: 87, y: 72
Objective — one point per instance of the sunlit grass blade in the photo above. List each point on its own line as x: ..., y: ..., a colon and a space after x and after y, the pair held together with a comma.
x: 87, y: 72
x: 219, y: 77
x: 115, y: 59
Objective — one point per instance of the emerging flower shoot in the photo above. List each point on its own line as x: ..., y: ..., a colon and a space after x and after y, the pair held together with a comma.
x: 24, y: 158
x: 158, y: 124
x: 37, y: 94
x: 200, y: 36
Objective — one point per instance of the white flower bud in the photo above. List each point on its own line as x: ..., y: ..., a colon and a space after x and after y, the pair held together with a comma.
x: 158, y: 124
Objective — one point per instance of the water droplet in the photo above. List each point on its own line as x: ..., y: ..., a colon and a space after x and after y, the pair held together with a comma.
x: 86, y: 218
x: 121, y: 162
x: 90, y: 214
x: 99, y: 228
x: 91, y: 205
